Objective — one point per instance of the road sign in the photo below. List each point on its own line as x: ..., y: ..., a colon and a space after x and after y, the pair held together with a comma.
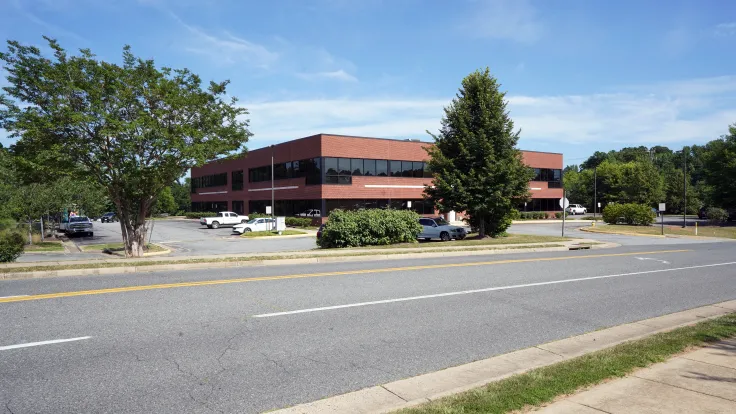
x: 564, y: 203
x: 599, y: 205
x: 268, y: 209
x: 661, y: 207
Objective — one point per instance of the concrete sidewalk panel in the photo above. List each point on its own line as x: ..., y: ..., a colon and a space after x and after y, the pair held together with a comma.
x: 636, y: 395
x: 731, y: 304
x: 695, y: 376
x: 684, y: 317
x: 593, y: 341
x: 567, y: 407
x: 722, y: 354
x: 367, y: 400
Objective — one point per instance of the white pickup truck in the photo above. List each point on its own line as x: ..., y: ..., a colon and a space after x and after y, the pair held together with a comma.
x: 223, y: 218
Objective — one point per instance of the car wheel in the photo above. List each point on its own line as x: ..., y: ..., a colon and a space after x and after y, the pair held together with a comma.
x: 461, y: 237
x: 445, y: 236
x: 215, y: 225
x: 246, y: 230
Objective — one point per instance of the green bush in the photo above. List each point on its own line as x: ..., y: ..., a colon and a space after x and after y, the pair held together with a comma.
x: 197, y: 215
x: 632, y: 214
x: 369, y: 227
x: 258, y: 215
x: 298, y: 222
x: 716, y: 215
x: 11, y: 246
x: 539, y: 215
x: 515, y: 215
x: 559, y: 215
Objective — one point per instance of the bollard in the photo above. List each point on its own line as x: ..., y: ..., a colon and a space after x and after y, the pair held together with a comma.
x: 696, y: 228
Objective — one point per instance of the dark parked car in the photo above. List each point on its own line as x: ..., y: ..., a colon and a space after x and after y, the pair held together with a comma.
x: 319, y: 231
x: 109, y: 218
x: 703, y: 213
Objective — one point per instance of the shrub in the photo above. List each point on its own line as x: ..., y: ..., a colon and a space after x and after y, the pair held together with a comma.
x: 258, y: 215
x: 539, y: 215
x: 716, y: 215
x: 514, y: 215
x: 197, y: 215
x: 11, y: 246
x: 632, y: 214
x: 298, y: 222
x: 559, y: 215
x: 369, y: 227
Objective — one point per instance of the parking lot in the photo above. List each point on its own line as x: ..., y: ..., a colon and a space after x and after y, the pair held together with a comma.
x: 189, y: 238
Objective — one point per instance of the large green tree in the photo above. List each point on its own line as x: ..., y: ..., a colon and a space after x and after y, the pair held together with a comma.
x: 475, y: 163
x: 720, y: 169
x: 133, y: 128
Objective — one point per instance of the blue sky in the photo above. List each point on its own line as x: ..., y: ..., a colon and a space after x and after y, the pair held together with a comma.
x: 581, y: 75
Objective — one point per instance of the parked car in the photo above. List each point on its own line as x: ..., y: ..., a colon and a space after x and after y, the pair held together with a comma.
x: 310, y: 213
x: 257, y: 224
x: 109, y: 218
x: 439, y: 228
x: 223, y: 218
x: 576, y: 209
x: 79, y: 225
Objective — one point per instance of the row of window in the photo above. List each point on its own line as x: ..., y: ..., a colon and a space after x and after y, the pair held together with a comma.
x: 285, y: 207
x: 205, y: 181
x: 237, y: 180
x: 309, y: 168
x: 540, y: 204
x: 547, y: 174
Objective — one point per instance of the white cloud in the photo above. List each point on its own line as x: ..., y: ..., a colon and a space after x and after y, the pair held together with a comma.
x: 504, y: 19
x: 725, y: 29
x: 693, y: 111
x: 340, y: 75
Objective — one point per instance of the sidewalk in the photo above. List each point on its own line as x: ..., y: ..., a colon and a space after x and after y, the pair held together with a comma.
x: 701, y: 381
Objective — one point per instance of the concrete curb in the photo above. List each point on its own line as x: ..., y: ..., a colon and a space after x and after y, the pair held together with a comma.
x: 622, y: 233
x: 281, y: 261
x: 428, y: 387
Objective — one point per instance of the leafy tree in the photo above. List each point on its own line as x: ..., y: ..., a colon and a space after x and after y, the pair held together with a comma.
x: 720, y: 169
x: 165, y: 202
x: 133, y: 128
x: 631, y: 182
x: 594, y: 160
x: 475, y: 163
x: 30, y: 202
x: 182, y: 195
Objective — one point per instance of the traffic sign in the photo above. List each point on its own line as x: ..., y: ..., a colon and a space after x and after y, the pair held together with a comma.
x: 564, y: 203
x: 661, y: 207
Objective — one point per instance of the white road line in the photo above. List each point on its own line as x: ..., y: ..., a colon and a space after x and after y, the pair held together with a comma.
x: 15, y: 296
x: 54, y: 341
x: 468, y: 292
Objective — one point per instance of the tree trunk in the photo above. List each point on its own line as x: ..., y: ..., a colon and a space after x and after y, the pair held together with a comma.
x: 482, y: 227
x: 30, y: 231
x: 133, y: 227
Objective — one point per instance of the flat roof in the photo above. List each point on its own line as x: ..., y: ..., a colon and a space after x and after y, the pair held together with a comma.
x: 382, y: 139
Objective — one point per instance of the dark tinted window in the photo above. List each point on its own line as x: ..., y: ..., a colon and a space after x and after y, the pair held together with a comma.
x: 237, y: 180
x: 369, y: 167
x: 331, y: 166
x: 407, y: 169
x: 343, y: 166
x: 396, y: 168
x: 356, y: 166
x: 418, y: 169
x: 426, y: 222
x: 381, y: 168
x: 427, y: 173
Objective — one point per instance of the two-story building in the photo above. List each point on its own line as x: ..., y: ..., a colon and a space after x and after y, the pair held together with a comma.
x: 324, y: 172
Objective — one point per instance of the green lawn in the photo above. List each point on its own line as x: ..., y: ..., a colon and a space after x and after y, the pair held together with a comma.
x: 704, y: 231
x: 272, y: 233
x: 117, y: 247
x: 472, y: 241
x: 542, y: 385
x: 44, y: 247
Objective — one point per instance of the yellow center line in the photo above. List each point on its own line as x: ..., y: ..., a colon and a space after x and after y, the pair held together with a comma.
x: 306, y: 275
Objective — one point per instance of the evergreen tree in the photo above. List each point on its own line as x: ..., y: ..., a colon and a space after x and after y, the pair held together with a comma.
x: 475, y: 163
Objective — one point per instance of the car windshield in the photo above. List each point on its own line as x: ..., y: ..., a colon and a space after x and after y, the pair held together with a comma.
x: 441, y: 222
x: 252, y: 221
x: 78, y: 219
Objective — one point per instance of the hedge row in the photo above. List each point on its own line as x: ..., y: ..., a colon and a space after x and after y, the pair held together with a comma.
x: 11, y: 246
x: 632, y: 214
x: 369, y: 227
x: 197, y: 215
x: 298, y: 222
x: 716, y: 215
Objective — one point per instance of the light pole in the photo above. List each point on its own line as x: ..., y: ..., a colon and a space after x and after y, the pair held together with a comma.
x: 684, y: 189
x: 595, y: 191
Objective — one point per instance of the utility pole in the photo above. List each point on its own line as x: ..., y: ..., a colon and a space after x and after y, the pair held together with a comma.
x: 595, y: 191
x: 684, y: 189
x: 564, y: 210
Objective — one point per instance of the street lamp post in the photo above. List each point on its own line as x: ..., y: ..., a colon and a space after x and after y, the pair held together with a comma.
x: 273, y: 206
x: 595, y: 191
x: 684, y: 189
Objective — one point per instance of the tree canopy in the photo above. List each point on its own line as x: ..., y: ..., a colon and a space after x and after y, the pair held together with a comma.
x: 475, y: 163
x: 133, y: 128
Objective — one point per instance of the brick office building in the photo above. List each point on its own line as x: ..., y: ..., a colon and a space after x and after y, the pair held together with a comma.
x: 325, y: 172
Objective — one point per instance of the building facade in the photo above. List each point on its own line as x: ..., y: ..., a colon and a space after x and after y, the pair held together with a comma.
x: 324, y: 172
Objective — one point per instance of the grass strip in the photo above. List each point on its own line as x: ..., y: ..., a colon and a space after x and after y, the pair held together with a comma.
x: 44, y: 247
x: 272, y: 233
x: 655, y: 230
x: 239, y: 259
x: 469, y: 241
x: 543, y: 385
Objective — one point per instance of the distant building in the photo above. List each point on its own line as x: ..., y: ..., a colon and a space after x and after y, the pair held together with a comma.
x: 324, y: 172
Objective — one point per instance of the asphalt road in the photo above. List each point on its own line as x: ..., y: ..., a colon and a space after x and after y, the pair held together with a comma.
x: 253, y: 339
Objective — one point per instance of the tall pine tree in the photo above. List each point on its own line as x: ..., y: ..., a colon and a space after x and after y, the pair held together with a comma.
x: 475, y: 163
